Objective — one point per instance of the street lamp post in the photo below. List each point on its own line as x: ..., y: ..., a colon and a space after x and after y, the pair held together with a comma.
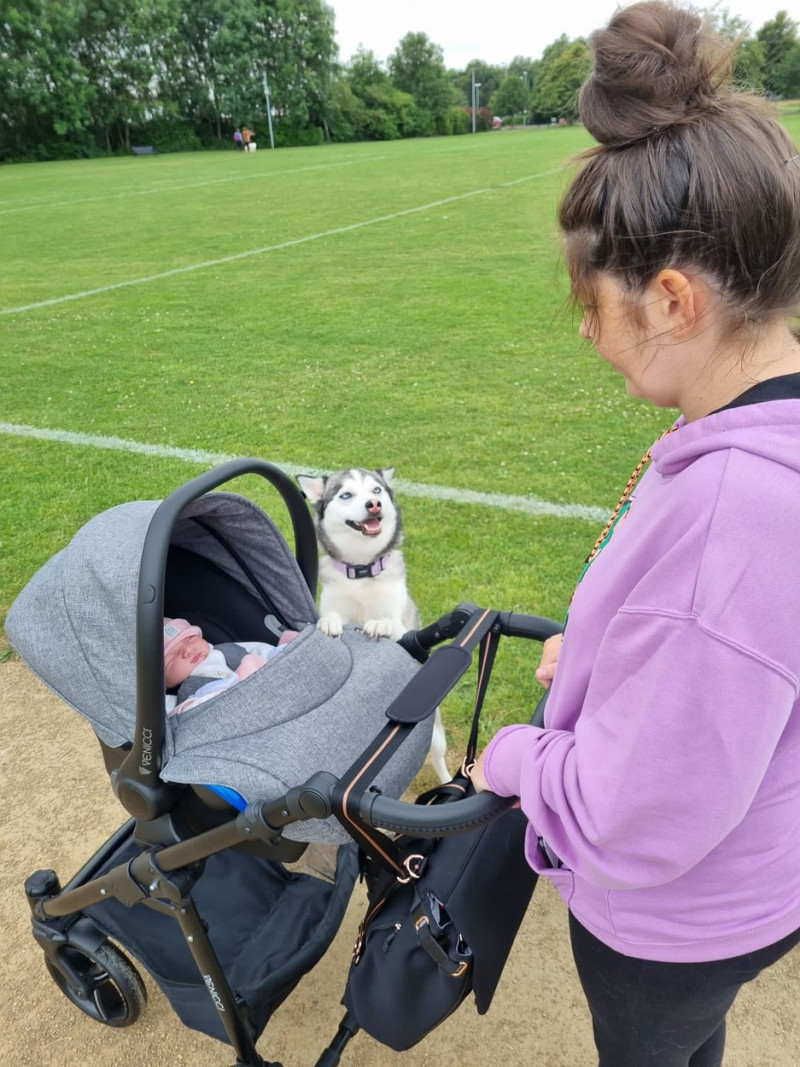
x: 475, y: 87
x: 269, y: 111
x: 525, y: 108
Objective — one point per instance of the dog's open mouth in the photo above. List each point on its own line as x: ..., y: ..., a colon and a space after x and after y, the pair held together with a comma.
x: 370, y: 527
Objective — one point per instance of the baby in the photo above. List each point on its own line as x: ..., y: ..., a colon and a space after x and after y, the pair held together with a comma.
x: 199, y: 670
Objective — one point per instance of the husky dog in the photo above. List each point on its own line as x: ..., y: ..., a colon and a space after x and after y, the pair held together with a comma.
x: 362, y: 571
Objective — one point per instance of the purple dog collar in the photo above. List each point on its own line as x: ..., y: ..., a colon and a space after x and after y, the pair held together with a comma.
x: 362, y: 570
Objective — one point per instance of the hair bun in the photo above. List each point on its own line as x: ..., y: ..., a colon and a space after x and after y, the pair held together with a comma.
x: 655, y: 66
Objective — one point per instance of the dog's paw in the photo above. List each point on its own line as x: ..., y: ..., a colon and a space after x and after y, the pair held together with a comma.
x: 388, y: 627
x: 331, y: 624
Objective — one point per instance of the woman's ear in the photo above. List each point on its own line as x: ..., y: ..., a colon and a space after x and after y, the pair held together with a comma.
x: 675, y: 302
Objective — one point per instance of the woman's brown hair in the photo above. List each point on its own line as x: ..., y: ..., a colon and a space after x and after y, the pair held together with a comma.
x: 688, y: 173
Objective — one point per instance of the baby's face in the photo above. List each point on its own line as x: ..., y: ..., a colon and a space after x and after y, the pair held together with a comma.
x: 181, y: 659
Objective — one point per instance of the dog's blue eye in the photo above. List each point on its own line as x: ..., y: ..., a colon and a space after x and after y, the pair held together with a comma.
x: 345, y: 496
x: 377, y: 490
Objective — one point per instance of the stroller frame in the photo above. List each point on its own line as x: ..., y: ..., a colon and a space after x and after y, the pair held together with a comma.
x: 89, y: 969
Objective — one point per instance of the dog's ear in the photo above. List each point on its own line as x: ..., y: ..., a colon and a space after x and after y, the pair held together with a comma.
x: 387, y: 473
x: 312, y: 487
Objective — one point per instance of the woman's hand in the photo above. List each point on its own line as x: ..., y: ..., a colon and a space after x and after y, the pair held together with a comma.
x: 547, y: 667
x: 544, y: 675
x: 478, y: 777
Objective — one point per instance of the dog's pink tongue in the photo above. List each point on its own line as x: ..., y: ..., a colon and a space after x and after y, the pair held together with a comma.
x: 371, y: 527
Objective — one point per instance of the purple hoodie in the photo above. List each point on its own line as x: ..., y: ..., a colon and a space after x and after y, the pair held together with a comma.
x: 667, y: 778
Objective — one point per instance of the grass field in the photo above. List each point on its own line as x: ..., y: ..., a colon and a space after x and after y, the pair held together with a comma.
x: 375, y: 304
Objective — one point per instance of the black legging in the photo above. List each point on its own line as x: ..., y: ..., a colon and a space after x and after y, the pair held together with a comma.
x: 650, y: 1014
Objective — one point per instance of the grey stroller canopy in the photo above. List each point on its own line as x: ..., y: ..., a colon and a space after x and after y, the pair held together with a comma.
x: 310, y: 709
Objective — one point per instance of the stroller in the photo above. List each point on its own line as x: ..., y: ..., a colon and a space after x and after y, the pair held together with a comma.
x: 198, y: 883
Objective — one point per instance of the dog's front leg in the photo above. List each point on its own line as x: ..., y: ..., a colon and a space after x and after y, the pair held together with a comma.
x: 386, y: 627
x: 331, y: 624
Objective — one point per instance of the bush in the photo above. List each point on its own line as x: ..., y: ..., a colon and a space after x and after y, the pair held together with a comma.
x: 287, y: 136
x: 484, y: 120
x: 380, y: 126
x: 166, y: 135
x: 459, y: 120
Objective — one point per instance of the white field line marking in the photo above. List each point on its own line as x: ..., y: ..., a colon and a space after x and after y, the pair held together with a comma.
x: 273, y: 248
x: 38, y: 203
x: 528, y: 505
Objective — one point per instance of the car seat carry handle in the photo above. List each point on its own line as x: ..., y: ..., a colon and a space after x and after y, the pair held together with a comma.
x: 137, y: 782
x: 305, y: 538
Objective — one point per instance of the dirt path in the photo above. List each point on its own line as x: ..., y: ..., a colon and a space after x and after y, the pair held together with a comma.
x: 58, y: 808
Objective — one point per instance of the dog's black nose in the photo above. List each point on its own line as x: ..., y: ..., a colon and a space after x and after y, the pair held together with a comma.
x: 374, y: 507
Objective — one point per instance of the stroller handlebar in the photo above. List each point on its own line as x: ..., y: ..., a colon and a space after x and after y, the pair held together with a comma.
x: 313, y: 800
x: 434, y: 820
x: 418, y: 643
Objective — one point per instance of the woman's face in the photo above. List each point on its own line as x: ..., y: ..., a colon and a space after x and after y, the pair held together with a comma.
x: 646, y: 362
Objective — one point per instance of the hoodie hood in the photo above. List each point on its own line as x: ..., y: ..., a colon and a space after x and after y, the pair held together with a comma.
x: 770, y: 431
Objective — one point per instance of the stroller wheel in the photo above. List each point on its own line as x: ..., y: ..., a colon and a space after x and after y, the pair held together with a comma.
x: 103, y: 983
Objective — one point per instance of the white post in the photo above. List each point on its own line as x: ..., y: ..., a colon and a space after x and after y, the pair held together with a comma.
x: 475, y: 87
x: 269, y: 111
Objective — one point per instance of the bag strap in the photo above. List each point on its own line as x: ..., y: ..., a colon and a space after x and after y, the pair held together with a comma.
x: 347, y: 794
x: 488, y: 652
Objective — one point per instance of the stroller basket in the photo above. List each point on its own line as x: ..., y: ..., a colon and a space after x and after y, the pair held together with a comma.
x: 195, y: 885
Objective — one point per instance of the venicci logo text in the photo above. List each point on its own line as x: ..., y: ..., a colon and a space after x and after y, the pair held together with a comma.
x: 147, y: 752
x: 213, y: 991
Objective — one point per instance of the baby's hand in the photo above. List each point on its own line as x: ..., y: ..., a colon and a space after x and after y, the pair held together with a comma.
x: 249, y: 665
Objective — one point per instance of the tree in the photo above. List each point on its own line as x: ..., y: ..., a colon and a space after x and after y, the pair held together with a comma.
x: 748, y: 70
x: 778, y: 37
x: 112, y: 49
x: 787, y: 75
x: 487, y: 76
x: 294, y: 41
x: 564, y: 69
x: 43, y: 89
x: 511, y: 98
x: 417, y: 67
x: 732, y: 27
x: 365, y: 70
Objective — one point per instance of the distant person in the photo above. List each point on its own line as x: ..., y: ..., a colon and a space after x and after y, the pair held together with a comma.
x: 237, y: 139
x: 246, y: 135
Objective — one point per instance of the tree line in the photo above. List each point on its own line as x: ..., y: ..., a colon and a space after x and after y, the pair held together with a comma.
x: 93, y: 77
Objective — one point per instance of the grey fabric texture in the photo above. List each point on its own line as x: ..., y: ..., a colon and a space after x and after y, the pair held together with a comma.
x: 314, y: 707
x: 74, y: 623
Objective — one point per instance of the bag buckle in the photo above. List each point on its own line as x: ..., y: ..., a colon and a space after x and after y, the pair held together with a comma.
x: 358, y: 948
x: 413, y: 865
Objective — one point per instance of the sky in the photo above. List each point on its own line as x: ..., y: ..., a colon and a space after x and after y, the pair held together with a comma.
x: 493, y: 30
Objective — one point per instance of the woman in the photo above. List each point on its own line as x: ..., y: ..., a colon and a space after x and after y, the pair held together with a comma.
x: 663, y: 793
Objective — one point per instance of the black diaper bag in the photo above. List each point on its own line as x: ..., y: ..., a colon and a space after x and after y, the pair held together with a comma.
x: 443, y: 913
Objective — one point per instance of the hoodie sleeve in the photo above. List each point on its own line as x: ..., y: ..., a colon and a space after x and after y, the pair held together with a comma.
x: 675, y: 734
